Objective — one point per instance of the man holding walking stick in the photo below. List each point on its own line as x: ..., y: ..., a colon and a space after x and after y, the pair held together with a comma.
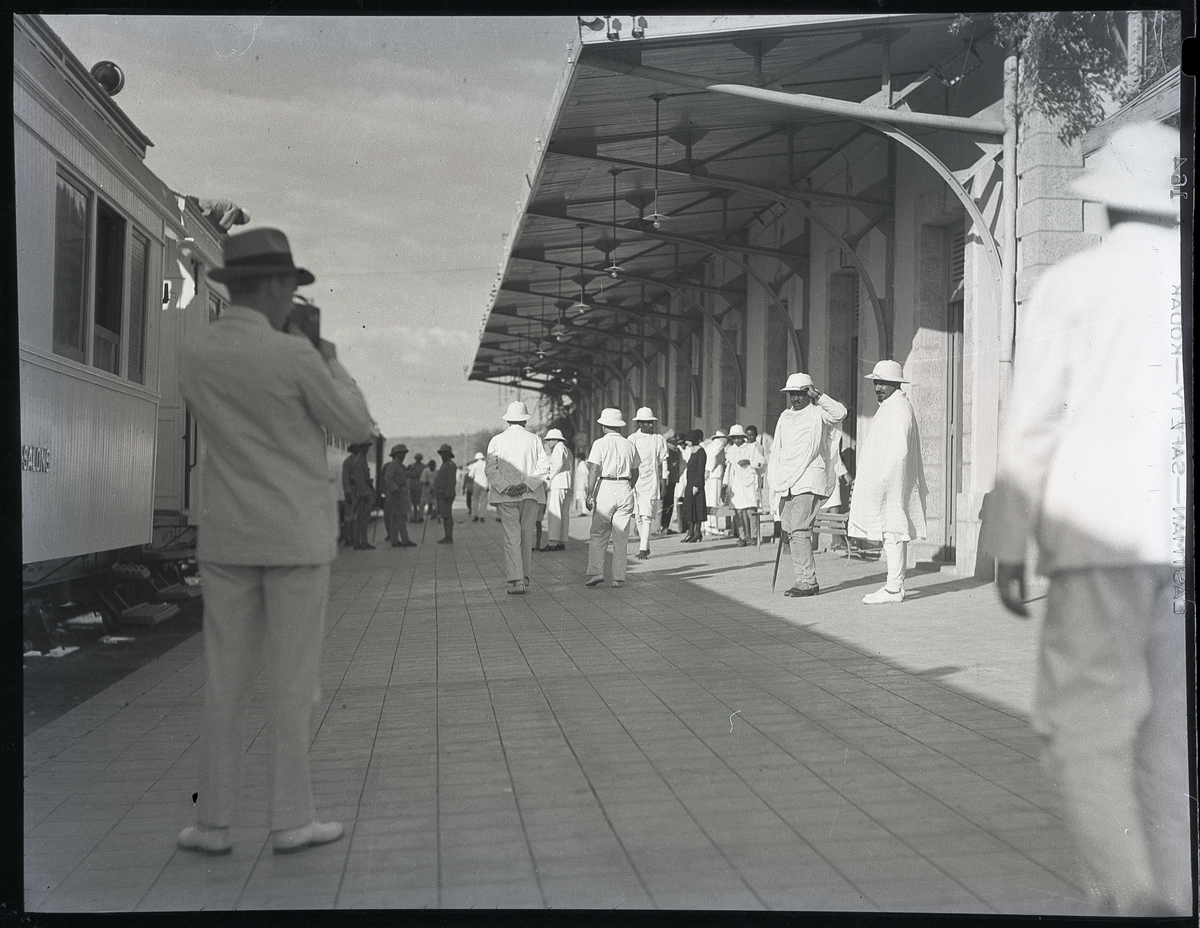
x: 800, y: 471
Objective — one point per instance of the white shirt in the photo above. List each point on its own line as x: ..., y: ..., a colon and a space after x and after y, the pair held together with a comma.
x: 516, y: 456
x: 1092, y: 450
x: 615, y: 455
x: 560, y: 466
x: 652, y: 452
x: 476, y: 473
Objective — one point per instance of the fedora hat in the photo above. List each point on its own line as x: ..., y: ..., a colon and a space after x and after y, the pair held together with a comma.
x: 889, y: 371
x: 796, y: 383
x: 398, y: 449
x: 720, y: 433
x: 517, y: 412
x: 446, y: 449
x: 258, y: 253
x: 554, y: 435
x: 736, y: 431
x: 611, y: 418
x: 1132, y: 171
x: 645, y: 414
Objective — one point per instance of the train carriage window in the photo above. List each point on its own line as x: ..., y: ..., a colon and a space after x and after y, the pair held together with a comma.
x: 138, y: 287
x: 70, y: 270
x: 110, y: 283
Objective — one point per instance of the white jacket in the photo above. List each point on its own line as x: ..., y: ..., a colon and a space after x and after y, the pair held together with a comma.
x: 1091, y: 455
x: 513, y: 457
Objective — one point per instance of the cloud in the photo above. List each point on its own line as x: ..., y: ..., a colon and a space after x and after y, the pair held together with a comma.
x: 392, y: 151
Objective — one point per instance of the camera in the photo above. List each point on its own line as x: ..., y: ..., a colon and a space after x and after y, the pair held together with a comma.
x: 305, y: 318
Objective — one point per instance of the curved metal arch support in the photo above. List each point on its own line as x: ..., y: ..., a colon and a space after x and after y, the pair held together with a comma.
x: 968, y: 202
x: 776, y: 196
x: 881, y: 321
x: 711, y: 317
x: 759, y: 279
x: 675, y: 343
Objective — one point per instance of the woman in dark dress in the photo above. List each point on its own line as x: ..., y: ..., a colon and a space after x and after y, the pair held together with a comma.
x: 695, y: 508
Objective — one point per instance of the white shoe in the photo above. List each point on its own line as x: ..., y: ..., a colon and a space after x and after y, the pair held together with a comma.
x: 297, y: 839
x: 205, y: 840
x: 884, y: 595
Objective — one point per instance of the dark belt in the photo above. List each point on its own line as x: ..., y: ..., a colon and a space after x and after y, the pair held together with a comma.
x: 614, y: 478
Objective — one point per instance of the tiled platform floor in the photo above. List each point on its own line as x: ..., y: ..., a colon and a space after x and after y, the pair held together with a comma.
x: 691, y: 741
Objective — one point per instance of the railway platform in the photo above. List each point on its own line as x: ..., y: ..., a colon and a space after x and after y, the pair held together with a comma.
x: 691, y: 741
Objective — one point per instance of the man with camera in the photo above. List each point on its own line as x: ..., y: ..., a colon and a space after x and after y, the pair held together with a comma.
x: 264, y: 399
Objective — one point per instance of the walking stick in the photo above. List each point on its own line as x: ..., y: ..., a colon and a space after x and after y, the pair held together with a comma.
x: 778, y: 552
x: 424, y: 525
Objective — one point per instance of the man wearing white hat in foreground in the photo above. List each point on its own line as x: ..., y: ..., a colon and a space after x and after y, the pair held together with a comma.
x: 612, y: 473
x: 888, y: 503
x: 263, y: 400
x: 517, y: 467
x: 1092, y: 459
x: 647, y: 492
x: 558, y: 494
x: 800, y: 471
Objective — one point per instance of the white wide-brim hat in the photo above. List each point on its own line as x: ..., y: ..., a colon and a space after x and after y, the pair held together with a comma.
x: 736, y: 431
x: 645, y: 414
x: 889, y: 371
x: 611, y: 418
x: 719, y: 434
x: 478, y: 455
x: 517, y: 412
x: 554, y: 435
x: 1133, y: 171
x: 796, y: 383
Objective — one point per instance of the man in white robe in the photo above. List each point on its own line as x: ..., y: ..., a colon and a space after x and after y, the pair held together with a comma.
x: 888, y: 504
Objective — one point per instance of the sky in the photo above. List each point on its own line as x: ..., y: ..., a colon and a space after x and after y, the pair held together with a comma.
x: 391, y: 150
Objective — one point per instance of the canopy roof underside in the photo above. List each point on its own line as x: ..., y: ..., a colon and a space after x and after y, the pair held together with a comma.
x: 715, y: 155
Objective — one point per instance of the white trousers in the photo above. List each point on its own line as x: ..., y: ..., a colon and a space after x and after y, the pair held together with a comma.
x: 518, y: 520
x: 1111, y: 708
x: 895, y: 553
x: 251, y: 613
x: 558, y: 515
x: 646, y: 511
x: 611, y: 516
x: 479, y: 502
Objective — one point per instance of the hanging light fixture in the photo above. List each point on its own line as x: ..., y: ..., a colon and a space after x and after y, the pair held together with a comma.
x: 579, y: 308
x: 543, y: 343
x: 655, y: 217
x: 613, y: 269
x: 561, y: 331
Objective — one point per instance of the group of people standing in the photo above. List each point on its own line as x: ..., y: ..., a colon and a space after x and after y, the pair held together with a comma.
x: 411, y: 493
x: 648, y: 481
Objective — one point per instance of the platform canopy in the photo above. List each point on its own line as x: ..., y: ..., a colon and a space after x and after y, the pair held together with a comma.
x: 711, y: 123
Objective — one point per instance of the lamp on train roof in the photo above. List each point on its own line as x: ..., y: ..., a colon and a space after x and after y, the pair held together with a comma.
x: 656, y: 217
x: 614, y: 269
x: 579, y: 308
x: 109, y: 76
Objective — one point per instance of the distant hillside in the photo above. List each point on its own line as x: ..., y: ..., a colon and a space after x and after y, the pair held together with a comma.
x: 464, y: 446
